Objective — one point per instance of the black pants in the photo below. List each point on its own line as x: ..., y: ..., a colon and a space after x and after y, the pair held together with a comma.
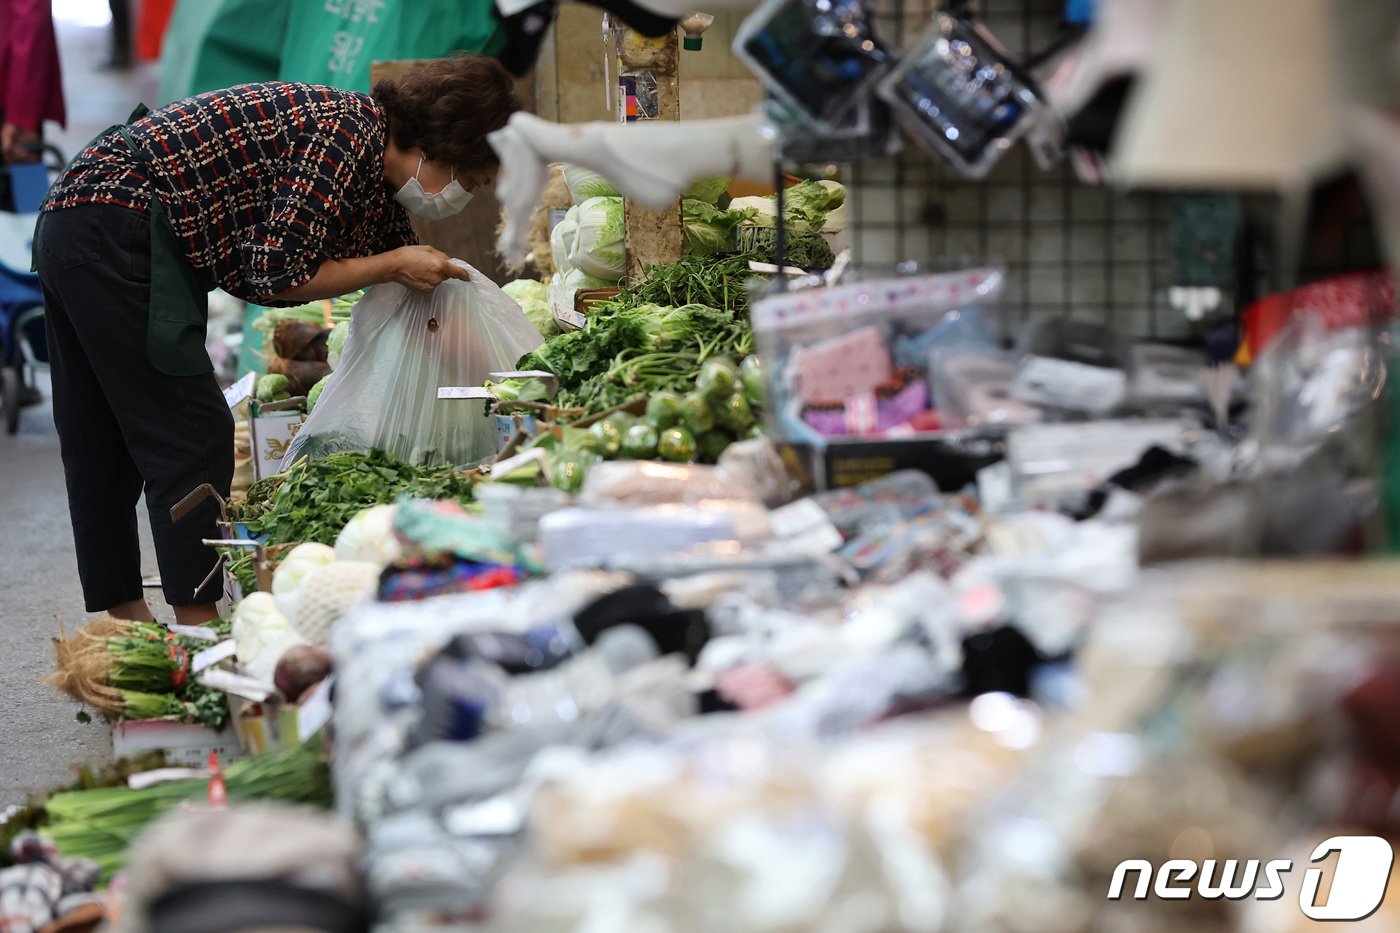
x: 124, y: 426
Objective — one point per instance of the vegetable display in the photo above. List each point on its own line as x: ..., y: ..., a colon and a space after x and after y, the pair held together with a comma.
x: 335, y: 343
x: 101, y: 823
x: 315, y: 394
x: 136, y: 670
x: 585, y: 183
x: 720, y: 408
x: 313, y: 312
x: 533, y: 298
x: 315, y: 499
x: 708, y: 229
x: 628, y: 352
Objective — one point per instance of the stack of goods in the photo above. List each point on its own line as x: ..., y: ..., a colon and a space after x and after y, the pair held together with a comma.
x: 677, y: 344
x: 537, y: 700
x: 589, y: 249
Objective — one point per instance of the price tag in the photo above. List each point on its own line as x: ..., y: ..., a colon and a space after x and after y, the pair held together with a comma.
x: 198, y: 632
x: 464, y: 392
x: 241, y: 390
x: 211, y: 656
x: 521, y: 374
x: 572, y: 318
x: 315, y: 711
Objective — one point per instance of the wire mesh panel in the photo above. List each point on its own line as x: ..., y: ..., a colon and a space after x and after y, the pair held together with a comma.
x: 1070, y: 249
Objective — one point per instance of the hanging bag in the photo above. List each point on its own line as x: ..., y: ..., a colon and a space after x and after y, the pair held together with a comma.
x: 403, y: 345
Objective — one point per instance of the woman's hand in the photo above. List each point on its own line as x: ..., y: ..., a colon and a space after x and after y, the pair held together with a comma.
x: 423, y: 268
x: 420, y: 268
x: 19, y: 144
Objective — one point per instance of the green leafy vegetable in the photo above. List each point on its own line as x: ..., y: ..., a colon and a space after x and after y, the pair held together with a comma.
x: 533, y: 298
x: 653, y: 337
x: 315, y: 499
x: 518, y: 390
x: 585, y: 183
x: 708, y: 230
x: 526, y: 290
x: 101, y: 823
x: 314, y: 312
x: 803, y: 250
x: 598, y: 249
x: 577, y: 278
x: 709, y: 190
x: 314, y: 395
x: 335, y: 343
x: 273, y: 388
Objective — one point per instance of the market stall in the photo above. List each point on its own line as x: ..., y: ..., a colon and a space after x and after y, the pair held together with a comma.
x: 765, y: 585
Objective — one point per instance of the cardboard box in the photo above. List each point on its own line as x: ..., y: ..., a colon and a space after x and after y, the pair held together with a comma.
x: 508, y: 426
x: 182, y: 744
x: 271, y: 428
x: 263, y: 727
x: 951, y: 464
x: 272, y: 725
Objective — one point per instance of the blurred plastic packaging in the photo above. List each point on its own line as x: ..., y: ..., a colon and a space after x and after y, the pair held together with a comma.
x: 843, y: 361
x: 1071, y: 365
x: 592, y: 537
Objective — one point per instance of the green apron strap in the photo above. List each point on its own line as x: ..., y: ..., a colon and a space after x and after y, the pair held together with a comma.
x: 178, y: 319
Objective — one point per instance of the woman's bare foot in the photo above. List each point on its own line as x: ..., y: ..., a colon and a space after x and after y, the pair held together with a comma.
x: 134, y: 611
x: 196, y: 615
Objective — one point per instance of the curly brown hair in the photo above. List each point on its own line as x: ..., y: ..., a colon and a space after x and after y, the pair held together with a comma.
x: 447, y: 106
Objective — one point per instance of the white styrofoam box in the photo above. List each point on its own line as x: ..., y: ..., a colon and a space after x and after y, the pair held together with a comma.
x: 182, y: 743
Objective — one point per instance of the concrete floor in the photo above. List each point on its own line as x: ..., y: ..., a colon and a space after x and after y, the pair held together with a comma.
x: 41, y: 742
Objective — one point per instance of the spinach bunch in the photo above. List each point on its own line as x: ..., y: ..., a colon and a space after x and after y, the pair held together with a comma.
x: 315, y: 499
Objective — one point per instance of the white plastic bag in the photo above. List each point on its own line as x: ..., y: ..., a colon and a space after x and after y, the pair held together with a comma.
x: 384, y: 393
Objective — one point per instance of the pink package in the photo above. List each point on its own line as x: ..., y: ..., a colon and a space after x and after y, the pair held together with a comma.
x: 845, y: 366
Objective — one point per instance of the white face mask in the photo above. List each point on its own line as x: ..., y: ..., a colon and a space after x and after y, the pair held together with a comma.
x: 445, y: 203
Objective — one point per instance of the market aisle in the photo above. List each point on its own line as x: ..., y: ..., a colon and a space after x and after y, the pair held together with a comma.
x: 40, y: 740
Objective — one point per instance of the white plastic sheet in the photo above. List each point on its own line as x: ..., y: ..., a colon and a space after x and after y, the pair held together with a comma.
x: 403, y: 346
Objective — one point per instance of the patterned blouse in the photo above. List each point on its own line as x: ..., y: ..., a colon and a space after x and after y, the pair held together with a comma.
x: 261, y: 182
